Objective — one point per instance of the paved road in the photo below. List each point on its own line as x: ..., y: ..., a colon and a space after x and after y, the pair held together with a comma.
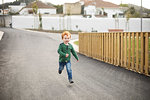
x: 28, y: 71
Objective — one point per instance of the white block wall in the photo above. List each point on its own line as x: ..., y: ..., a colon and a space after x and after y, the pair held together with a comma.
x: 84, y: 24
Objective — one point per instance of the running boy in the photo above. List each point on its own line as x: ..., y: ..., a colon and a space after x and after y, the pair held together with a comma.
x: 65, y: 49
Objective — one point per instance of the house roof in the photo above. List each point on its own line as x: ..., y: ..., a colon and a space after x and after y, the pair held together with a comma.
x: 40, y: 5
x: 100, y: 3
x: 72, y: 3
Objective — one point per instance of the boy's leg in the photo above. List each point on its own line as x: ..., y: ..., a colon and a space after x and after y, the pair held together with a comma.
x: 69, y: 71
x: 61, y: 67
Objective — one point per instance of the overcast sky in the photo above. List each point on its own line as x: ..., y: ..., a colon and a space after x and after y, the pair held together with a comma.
x: 146, y: 3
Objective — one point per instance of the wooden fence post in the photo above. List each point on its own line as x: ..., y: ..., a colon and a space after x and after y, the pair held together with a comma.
x: 137, y: 52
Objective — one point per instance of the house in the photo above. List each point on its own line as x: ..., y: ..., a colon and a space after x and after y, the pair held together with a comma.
x: 102, y: 8
x: 4, y: 12
x: 72, y: 8
x: 1, y: 11
x: 16, y: 8
x: 42, y: 8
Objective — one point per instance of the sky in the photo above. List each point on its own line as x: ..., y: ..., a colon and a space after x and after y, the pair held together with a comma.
x: 145, y: 3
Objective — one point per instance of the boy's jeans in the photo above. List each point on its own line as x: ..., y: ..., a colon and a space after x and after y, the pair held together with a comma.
x: 68, y: 67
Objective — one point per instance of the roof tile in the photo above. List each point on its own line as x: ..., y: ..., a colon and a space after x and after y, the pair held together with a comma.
x: 100, y: 3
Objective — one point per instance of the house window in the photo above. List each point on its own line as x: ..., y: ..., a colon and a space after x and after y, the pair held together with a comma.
x: 46, y: 13
x: 121, y: 15
x: 114, y: 16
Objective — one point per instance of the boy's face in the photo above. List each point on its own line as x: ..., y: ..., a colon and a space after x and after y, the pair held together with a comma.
x: 66, y: 39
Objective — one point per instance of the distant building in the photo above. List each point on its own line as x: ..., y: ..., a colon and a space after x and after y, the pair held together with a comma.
x: 72, y: 8
x: 102, y: 8
x: 42, y: 8
x: 16, y: 8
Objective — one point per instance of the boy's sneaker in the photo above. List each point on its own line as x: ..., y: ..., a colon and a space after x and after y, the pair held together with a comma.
x: 71, y: 81
x: 59, y: 71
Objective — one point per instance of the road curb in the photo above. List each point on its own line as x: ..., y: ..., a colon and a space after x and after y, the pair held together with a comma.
x: 1, y: 34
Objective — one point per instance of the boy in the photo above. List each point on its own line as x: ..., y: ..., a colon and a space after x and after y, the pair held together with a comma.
x: 65, y: 49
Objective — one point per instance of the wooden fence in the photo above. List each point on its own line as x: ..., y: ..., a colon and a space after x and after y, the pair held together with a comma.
x: 130, y: 50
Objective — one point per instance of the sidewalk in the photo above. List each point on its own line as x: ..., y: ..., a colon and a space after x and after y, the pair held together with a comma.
x: 1, y: 34
x: 76, y: 47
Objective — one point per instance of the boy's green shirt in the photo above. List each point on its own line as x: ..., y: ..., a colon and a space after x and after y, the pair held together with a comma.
x: 66, y: 49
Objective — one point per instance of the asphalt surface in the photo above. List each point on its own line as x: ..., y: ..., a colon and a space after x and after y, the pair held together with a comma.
x: 28, y: 71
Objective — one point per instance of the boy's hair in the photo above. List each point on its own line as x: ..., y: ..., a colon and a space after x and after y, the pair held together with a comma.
x: 65, y: 33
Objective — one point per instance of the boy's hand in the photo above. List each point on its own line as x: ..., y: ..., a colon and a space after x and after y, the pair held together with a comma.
x: 67, y: 55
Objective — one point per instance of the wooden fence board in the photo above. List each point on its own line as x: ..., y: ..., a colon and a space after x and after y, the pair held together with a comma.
x: 125, y: 49
x: 133, y: 48
x: 129, y: 51
x: 109, y: 49
x: 137, y: 52
x: 115, y: 49
x: 122, y: 47
x: 102, y: 47
x: 112, y: 50
x: 106, y: 47
x: 118, y: 60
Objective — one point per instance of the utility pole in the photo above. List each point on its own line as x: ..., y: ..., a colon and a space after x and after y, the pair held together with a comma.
x: 141, y: 15
x: 3, y: 13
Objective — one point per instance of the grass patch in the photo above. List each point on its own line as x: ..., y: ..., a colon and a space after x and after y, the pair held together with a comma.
x: 76, y: 42
x: 54, y: 31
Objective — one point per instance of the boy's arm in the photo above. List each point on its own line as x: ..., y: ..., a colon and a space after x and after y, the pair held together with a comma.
x: 60, y: 51
x: 74, y: 53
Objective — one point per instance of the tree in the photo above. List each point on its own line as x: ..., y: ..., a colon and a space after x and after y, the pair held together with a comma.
x: 116, y: 21
x: 124, y: 5
x: 17, y: 2
x: 35, y: 11
x: 40, y: 19
x: 35, y: 7
x: 128, y: 15
x: 132, y: 13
